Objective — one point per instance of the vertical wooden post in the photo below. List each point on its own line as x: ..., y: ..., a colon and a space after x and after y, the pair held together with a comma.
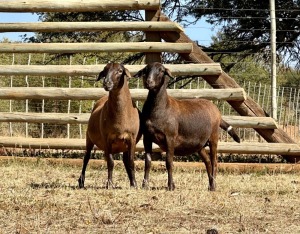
x: 152, y: 36
x: 273, y: 58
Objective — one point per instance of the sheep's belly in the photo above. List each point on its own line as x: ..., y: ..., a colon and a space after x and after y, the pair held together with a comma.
x: 183, y: 148
x: 119, y: 146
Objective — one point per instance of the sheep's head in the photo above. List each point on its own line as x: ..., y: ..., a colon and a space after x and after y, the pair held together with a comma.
x: 154, y: 75
x: 113, y: 76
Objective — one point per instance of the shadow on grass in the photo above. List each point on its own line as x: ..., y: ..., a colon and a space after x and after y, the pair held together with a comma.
x: 56, y: 185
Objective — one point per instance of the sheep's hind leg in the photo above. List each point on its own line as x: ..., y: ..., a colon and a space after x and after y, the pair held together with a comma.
x: 148, y: 152
x: 110, y: 168
x: 209, y: 169
x: 89, y: 147
x: 129, y: 166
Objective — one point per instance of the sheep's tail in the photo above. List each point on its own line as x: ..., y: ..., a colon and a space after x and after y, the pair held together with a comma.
x: 228, y: 128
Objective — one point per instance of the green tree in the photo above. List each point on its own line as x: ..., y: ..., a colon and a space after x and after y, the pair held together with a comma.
x: 245, y: 28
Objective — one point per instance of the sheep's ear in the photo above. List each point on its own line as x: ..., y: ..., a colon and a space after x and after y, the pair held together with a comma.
x: 101, y: 75
x: 140, y: 73
x: 168, y: 73
x: 127, y: 73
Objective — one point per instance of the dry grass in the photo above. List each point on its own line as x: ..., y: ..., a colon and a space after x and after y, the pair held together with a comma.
x: 41, y: 197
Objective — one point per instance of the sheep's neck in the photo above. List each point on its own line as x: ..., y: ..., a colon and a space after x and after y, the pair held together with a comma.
x: 118, y: 99
x: 157, y: 99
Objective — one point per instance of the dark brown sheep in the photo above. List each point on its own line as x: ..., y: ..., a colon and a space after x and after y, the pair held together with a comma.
x: 179, y: 127
x: 114, y: 123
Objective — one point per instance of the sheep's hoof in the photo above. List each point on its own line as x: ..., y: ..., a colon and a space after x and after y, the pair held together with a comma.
x: 110, y: 184
x: 145, y: 184
x: 133, y: 185
x: 81, y: 182
x: 171, y: 187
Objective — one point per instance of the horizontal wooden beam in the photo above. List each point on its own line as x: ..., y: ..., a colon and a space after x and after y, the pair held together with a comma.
x: 88, y: 70
x: 251, y: 122
x: 90, y: 26
x: 235, y: 168
x: 79, y: 144
x: 95, y: 47
x: 21, y: 93
x: 76, y: 5
x: 76, y: 118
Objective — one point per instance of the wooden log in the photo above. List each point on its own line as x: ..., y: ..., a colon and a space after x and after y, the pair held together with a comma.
x: 90, y: 26
x: 236, y: 168
x: 247, y: 107
x: 79, y: 144
x: 95, y: 47
x: 76, y: 5
x: 76, y: 118
x: 89, y: 70
x: 251, y: 122
x: 59, y: 118
x: 152, y: 37
x: 21, y: 93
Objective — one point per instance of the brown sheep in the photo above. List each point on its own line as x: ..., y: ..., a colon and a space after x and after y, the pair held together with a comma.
x: 179, y: 127
x: 114, y: 123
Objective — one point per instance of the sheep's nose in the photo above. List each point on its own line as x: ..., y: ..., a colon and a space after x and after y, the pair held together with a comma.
x: 107, y: 81
x: 149, y: 82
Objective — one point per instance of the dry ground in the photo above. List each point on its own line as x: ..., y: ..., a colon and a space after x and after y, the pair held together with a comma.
x: 39, y: 196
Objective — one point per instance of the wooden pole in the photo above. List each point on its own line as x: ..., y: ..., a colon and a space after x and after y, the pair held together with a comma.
x: 245, y: 108
x: 79, y: 144
x: 106, y: 47
x: 91, y: 70
x: 152, y: 36
x: 90, y: 26
x: 273, y: 59
x: 76, y: 5
x: 82, y: 118
x: 18, y: 93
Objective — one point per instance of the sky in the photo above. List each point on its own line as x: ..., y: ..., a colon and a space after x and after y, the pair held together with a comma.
x: 201, y: 32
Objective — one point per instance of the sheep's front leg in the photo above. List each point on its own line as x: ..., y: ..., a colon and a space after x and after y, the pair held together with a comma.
x: 148, y: 151
x: 85, y: 163
x: 110, y: 168
x: 128, y: 160
x: 89, y: 147
x: 169, y: 163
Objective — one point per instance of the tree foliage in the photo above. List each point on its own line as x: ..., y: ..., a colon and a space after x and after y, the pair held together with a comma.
x: 91, y: 36
x: 244, y: 30
x: 245, y: 22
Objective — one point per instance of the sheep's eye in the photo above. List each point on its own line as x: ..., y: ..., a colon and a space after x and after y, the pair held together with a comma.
x: 120, y: 71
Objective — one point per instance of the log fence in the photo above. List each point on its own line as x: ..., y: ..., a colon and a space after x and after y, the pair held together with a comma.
x: 156, y: 27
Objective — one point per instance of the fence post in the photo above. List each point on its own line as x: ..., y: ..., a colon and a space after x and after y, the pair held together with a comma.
x: 152, y: 36
x: 273, y: 58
